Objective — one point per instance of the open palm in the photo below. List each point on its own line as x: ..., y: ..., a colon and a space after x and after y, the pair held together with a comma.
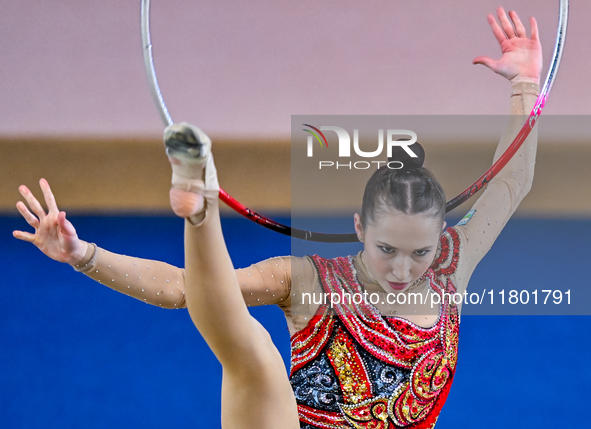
x: 521, y: 58
x: 54, y: 234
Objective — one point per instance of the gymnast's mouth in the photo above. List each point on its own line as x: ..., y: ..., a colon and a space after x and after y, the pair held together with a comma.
x: 397, y: 286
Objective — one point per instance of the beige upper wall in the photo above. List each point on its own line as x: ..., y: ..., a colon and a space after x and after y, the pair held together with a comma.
x: 242, y: 68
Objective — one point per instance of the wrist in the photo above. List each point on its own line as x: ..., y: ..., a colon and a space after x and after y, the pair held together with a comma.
x: 86, y: 262
x: 520, y: 79
x: 79, y: 255
x: 525, y: 87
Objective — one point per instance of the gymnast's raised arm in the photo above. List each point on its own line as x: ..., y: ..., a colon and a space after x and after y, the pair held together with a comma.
x: 521, y: 64
x: 149, y: 281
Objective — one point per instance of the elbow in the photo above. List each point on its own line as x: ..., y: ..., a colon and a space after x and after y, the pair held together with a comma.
x: 172, y: 304
x: 519, y: 183
x: 524, y: 184
x: 526, y: 188
x: 519, y: 188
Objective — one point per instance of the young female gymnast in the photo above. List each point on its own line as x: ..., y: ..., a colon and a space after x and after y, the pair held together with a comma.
x: 353, y: 364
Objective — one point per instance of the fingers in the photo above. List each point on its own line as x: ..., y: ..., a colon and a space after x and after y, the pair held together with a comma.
x: 519, y: 28
x: 66, y: 226
x: 505, y: 23
x: 486, y: 61
x: 25, y: 236
x: 534, y: 29
x: 511, y: 28
x: 510, y: 34
x: 48, y: 195
x: 32, y: 201
x: 24, y: 211
x: 497, y: 31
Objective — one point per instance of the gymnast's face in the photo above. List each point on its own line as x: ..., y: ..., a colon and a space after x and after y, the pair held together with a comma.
x: 399, y: 248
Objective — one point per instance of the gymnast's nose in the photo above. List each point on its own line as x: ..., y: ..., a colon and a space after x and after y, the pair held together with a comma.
x: 401, y: 269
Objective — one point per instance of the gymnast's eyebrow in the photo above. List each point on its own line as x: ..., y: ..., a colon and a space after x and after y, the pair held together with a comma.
x: 382, y: 243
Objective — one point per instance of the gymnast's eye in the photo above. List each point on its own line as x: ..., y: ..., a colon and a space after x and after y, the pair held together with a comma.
x: 387, y: 249
x: 421, y: 252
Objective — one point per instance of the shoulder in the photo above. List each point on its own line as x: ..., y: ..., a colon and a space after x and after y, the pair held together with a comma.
x: 448, y: 252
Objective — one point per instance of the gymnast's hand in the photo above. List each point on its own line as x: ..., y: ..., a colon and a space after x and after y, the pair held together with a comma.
x: 521, y: 58
x: 54, y: 234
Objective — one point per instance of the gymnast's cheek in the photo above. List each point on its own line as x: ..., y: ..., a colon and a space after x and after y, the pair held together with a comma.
x: 377, y: 265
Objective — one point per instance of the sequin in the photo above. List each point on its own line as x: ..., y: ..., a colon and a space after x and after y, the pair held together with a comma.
x: 385, y: 366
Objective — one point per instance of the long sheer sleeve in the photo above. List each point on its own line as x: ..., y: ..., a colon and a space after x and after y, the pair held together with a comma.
x: 505, y: 192
x: 163, y: 285
x: 267, y: 282
x: 152, y: 282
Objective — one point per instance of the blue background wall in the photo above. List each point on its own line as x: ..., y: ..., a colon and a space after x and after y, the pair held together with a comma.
x: 76, y: 354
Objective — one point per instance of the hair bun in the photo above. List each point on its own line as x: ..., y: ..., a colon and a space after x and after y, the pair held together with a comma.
x: 399, y: 154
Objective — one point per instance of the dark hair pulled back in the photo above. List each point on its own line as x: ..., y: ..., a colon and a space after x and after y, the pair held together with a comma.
x: 410, y: 190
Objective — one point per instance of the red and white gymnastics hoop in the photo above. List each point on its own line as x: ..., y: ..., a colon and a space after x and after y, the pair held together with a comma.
x: 352, y: 237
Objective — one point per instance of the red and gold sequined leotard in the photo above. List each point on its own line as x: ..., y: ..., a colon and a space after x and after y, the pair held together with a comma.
x: 356, y: 368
